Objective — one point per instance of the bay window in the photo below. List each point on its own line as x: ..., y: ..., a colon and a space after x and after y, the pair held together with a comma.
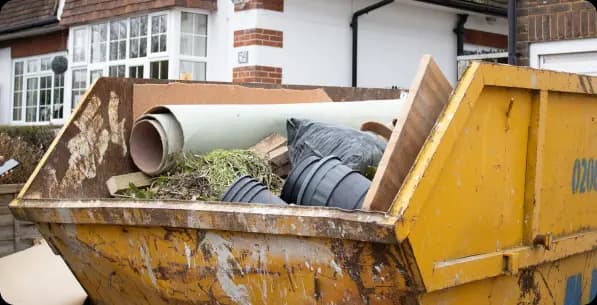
x: 138, y: 46
x: 38, y: 93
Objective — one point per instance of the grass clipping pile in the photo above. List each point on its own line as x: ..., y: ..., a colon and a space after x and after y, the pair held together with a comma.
x: 207, y: 177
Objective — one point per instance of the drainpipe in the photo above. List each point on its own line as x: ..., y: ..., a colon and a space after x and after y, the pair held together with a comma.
x: 459, y: 31
x: 512, y: 32
x: 354, y: 24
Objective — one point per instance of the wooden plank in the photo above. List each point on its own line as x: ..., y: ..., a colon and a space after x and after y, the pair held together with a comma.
x: 120, y: 183
x: 5, y: 199
x: 10, y: 188
x: 279, y: 156
x: 427, y: 98
x: 24, y: 244
x: 6, y: 220
x: 269, y: 144
x: 6, y: 248
x: 4, y: 210
x: 7, y: 233
x: 27, y: 232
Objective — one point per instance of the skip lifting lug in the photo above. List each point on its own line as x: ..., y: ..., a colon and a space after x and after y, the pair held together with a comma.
x: 545, y: 240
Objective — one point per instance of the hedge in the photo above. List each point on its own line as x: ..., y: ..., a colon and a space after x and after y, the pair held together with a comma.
x: 27, y: 144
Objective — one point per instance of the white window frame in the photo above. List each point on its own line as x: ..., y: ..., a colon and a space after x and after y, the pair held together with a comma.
x: 176, y: 37
x: 37, y: 74
x: 172, y: 53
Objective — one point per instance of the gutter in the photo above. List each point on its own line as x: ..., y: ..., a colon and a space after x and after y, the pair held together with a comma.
x: 470, y: 6
x: 354, y: 24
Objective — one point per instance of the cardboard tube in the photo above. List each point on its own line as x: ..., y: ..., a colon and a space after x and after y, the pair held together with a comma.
x: 155, y: 140
x: 165, y: 131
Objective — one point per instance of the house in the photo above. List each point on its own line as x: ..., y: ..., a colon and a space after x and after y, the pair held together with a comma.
x: 366, y: 43
x: 557, y: 35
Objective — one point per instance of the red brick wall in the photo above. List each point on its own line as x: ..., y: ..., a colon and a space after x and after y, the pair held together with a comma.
x: 36, y: 45
x: 273, y: 5
x: 551, y: 20
x: 260, y: 37
x: 257, y: 74
x: 82, y: 11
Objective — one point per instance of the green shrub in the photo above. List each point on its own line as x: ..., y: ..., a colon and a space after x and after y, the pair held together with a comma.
x: 27, y: 144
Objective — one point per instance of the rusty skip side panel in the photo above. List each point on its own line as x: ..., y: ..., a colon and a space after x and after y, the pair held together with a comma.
x: 92, y: 147
x: 157, y: 265
x: 256, y: 218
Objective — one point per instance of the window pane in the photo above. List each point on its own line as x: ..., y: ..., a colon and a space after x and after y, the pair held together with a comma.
x: 58, y: 102
x: 162, y: 43
x: 122, y: 26
x: 95, y: 74
x: 113, y: 50
x: 79, y: 42
x: 155, y: 24
x: 118, y: 40
x: 136, y: 71
x: 32, y: 65
x: 143, y: 47
x: 116, y: 71
x: 19, y: 68
x: 200, y: 24
x: 193, y: 39
x: 17, y: 105
x: 186, y: 47
x: 138, y: 39
x: 31, y: 100
x: 17, y: 96
x: 122, y: 49
x: 134, y: 25
x: 45, y: 98
x: 78, y: 85
x: 186, y: 22
x: 46, y: 64
x: 200, y: 46
x: 158, y: 69
x: 113, y: 31
x: 99, y: 37
x: 158, y: 33
x: 163, y: 24
x: 190, y: 70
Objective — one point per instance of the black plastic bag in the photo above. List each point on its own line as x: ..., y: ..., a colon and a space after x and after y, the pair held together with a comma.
x: 357, y: 150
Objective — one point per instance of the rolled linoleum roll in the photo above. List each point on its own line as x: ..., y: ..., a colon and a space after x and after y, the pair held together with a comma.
x: 163, y: 132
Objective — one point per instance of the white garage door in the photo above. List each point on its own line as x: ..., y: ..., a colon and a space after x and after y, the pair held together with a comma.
x: 576, y: 56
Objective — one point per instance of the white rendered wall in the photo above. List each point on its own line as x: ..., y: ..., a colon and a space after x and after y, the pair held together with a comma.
x: 318, y: 41
x: 5, y: 85
x: 220, y: 42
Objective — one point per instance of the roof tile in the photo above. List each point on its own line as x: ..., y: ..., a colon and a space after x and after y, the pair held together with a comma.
x: 24, y: 12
